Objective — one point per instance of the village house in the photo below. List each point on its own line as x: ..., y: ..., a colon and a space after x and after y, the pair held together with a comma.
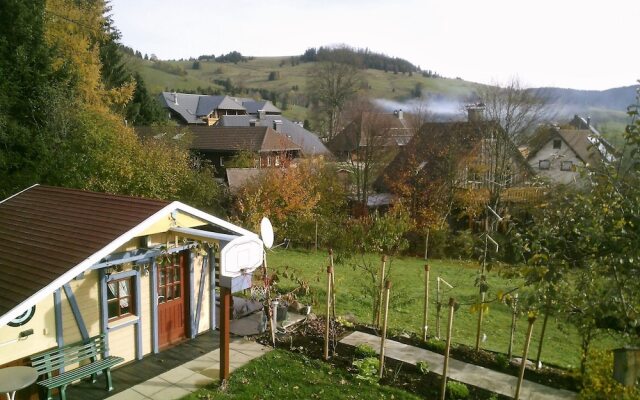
x: 199, y: 109
x: 370, y: 129
x: 220, y: 144
x: 75, y: 264
x: 460, y: 155
x: 558, y: 153
x: 310, y: 144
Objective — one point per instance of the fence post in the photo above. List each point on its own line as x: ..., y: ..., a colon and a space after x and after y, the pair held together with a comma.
x: 333, y: 285
x: 328, y: 319
x: 443, y: 388
x: 384, y: 327
x: 379, y: 312
x: 426, y: 302
x: 438, y: 308
x: 523, y: 363
x: 514, y: 314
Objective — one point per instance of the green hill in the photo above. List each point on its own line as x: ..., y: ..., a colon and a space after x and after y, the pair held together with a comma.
x: 291, y: 80
x: 287, y: 85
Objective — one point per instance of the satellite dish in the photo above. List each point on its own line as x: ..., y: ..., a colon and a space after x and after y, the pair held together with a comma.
x: 266, y: 232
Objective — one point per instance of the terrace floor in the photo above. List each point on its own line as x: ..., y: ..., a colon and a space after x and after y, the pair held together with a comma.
x: 170, y: 374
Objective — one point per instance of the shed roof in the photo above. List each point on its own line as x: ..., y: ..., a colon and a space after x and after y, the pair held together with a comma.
x: 49, y: 235
x: 254, y: 138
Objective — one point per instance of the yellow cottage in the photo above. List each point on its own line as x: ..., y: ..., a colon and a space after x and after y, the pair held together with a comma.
x: 75, y: 264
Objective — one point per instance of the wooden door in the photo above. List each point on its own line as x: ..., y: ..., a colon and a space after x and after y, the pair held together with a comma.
x: 172, y: 301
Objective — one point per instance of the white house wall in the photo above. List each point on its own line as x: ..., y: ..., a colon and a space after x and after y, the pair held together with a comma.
x: 555, y: 156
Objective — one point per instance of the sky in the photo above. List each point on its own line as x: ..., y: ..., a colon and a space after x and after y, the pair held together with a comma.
x: 584, y: 44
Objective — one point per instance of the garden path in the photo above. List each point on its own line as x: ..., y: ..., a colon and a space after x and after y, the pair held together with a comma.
x: 470, y: 374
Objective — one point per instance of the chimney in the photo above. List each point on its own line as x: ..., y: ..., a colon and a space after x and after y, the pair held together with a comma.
x: 589, y: 122
x: 175, y: 98
x: 400, y: 114
x: 277, y: 125
x: 475, y: 112
x: 261, y: 114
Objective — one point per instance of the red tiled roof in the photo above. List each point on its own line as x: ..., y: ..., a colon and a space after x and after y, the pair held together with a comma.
x: 46, y: 231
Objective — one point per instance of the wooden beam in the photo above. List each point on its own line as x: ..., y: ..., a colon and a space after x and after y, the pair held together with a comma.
x: 225, y: 321
x: 153, y: 283
x: 212, y: 288
x: 203, y: 276
x: 75, y: 310
x: 190, y: 266
x: 104, y: 310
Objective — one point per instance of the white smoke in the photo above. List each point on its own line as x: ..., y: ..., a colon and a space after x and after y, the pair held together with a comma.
x: 445, y: 108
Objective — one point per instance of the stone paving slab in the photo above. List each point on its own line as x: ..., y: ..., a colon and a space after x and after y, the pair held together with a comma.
x: 474, y: 375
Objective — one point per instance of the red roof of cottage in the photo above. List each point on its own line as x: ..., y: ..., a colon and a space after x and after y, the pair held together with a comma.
x: 46, y: 231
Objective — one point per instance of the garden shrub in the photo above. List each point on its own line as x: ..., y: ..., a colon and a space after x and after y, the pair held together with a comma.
x: 436, y: 345
x: 367, y: 369
x: 502, y: 361
x: 598, y: 382
x: 460, y: 244
x: 423, y: 367
x: 364, y: 351
x: 457, y: 390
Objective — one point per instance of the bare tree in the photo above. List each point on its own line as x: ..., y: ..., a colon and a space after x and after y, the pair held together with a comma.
x: 331, y: 85
x: 515, y: 111
x: 371, y: 130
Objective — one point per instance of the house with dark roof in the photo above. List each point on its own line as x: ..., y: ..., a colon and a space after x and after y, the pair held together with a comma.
x: 221, y: 144
x: 310, y: 144
x: 390, y: 131
x: 75, y: 264
x: 557, y: 153
x: 199, y: 109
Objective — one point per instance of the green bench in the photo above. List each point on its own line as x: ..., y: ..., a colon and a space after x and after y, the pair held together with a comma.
x: 89, y: 354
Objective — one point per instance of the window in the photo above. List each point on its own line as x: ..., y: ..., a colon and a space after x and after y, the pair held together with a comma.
x: 120, y: 298
x: 169, y: 280
x: 277, y: 161
x: 544, y: 164
x: 566, y: 166
x: 557, y: 144
x: 268, y: 161
x: 221, y: 161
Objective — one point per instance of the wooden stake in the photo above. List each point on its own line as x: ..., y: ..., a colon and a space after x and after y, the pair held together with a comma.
x: 443, y: 388
x: 438, y: 308
x: 514, y: 314
x: 426, y: 301
x: 384, y: 327
x: 377, y: 316
x: 333, y: 285
x: 544, y: 328
x: 426, y: 246
x: 480, y: 316
x: 271, y: 316
x: 328, y: 317
x: 316, y: 235
x: 225, y: 321
x: 523, y: 364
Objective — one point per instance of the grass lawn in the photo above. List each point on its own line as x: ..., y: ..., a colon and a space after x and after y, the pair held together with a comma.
x: 407, y: 275
x: 284, y: 375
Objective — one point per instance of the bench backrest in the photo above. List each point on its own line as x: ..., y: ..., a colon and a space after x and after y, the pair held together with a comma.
x: 53, y: 360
